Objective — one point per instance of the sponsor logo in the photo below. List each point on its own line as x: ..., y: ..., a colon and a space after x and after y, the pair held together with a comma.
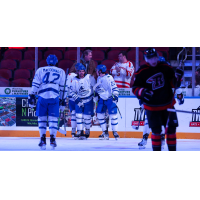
x: 7, y: 91
x: 138, y: 116
x: 195, y: 118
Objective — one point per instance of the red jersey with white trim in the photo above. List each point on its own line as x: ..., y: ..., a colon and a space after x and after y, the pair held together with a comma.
x: 123, y: 77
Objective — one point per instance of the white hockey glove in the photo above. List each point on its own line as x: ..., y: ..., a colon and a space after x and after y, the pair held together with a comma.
x: 31, y: 100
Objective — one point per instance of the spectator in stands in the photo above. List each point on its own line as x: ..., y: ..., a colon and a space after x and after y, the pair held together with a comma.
x: 122, y: 71
x: 197, y: 77
x: 86, y: 60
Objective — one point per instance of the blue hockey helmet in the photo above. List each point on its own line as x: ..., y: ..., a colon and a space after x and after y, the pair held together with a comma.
x: 161, y: 59
x: 52, y: 59
x: 101, y: 68
x: 80, y: 67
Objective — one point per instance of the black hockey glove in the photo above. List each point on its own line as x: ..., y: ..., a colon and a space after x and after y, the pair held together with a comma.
x: 62, y: 102
x: 180, y: 98
x: 179, y: 73
x: 31, y: 100
x: 146, y: 94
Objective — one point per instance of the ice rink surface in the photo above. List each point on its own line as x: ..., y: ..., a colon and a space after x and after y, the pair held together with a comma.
x: 91, y: 144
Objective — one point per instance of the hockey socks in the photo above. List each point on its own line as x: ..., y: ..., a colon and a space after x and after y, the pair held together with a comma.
x: 171, y: 141
x: 156, y: 141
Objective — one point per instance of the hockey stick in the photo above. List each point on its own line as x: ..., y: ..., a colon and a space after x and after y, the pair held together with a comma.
x: 117, y: 107
x: 137, y: 127
x: 64, y: 132
x: 183, y: 111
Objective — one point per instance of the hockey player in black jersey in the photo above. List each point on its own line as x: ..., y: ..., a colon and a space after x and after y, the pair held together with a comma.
x: 153, y: 84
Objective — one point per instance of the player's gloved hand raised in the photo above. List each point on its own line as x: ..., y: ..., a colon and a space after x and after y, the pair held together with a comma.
x: 31, y: 100
x: 146, y: 94
x: 179, y: 73
x: 115, y: 98
x: 180, y: 98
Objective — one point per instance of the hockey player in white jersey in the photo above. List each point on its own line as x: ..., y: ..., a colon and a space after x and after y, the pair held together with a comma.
x: 81, y: 91
x: 122, y: 71
x: 108, y: 97
x: 47, y: 83
x: 72, y: 104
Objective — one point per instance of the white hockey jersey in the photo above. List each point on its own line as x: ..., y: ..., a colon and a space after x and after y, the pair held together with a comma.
x: 106, y: 87
x: 70, y: 77
x: 49, y: 82
x: 83, y: 88
x: 123, y: 78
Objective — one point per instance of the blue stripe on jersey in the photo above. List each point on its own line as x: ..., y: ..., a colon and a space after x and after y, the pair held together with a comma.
x: 114, y: 124
x: 53, y: 128
x: 36, y: 83
x: 35, y: 86
x: 87, y: 97
x: 47, y: 90
x: 43, y: 127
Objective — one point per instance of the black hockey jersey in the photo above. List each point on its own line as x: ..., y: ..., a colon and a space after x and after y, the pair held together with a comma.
x: 160, y: 79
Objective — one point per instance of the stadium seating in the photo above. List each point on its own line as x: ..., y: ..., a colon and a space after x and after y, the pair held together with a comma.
x: 58, y: 54
x: 4, y: 82
x: 22, y: 73
x: 75, y: 48
x: 27, y: 64
x: 98, y: 55
x: 65, y: 64
x: 8, y: 64
x: 132, y: 54
x: 100, y: 48
x: 42, y: 63
x: 108, y: 64
x: 71, y: 55
x: 20, y: 83
x: 39, y: 48
x: 5, y: 73
x: 30, y: 55
x: 120, y: 48
x: 113, y: 55
x: 57, y: 48
x: 13, y: 54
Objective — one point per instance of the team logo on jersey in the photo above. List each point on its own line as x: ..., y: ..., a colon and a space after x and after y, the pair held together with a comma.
x: 100, y: 89
x: 195, y: 118
x: 157, y: 81
x: 83, y: 91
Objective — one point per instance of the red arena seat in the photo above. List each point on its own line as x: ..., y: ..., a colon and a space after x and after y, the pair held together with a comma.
x: 98, y: 55
x: 108, y: 64
x: 27, y: 64
x: 113, y: 55
x: 120, y: 48
x: 57, y: 48
x: 142, y: 62
x: 132, y: 54
x: 22, y: 73
x: 64, y: 64
x: 58, y: 54
x: 4, y: 82
x: 71, y: 55
x: 100, y: 48
x: 30, y: 55
x: 43, y: 63
x: 5, y: 73
x: 13, y: 54
x: 20, y: 83
x: 39, y: 48
x: 8, y: 64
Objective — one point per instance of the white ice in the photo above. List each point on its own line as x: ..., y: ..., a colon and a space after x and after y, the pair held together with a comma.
x: 91, y: 144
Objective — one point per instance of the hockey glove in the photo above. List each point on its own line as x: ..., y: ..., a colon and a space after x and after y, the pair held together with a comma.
x: 180, y: 98
x: 179, y: 73
x: 115, y: 98
x: 31, y: 100
x: 62, y: 103
x: 146, y: 94
x: 79, y: 102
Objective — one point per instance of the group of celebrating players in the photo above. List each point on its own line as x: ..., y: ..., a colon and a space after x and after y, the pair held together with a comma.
x: 152, y: 85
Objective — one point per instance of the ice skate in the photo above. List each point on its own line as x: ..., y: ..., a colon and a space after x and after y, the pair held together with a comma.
x: 162, y: 141
x: 143, y: 143
x: 87, y: 133
x: 115, y: 134
x: 106, y: 135
x: 42, y: 143
x: 82, y: 136
x: 102, y: 136
x: 73, y: 132
x: 53, y: 142
x: 77, y: 135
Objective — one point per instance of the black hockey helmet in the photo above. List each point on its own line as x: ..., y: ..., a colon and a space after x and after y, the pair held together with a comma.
x: 150, y: 53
